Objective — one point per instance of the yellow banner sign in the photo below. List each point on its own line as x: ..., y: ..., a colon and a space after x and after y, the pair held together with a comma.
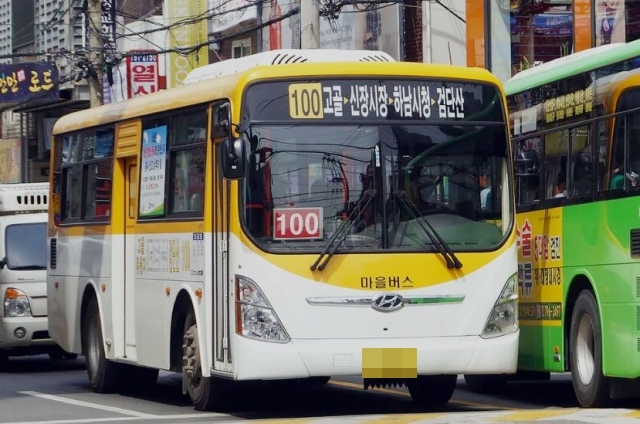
x: 186, y: 37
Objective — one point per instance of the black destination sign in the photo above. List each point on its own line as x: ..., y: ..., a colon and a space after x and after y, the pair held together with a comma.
x: 373, y: 100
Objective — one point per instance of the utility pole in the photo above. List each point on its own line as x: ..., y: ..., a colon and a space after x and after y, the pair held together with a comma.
x: 309, y: 24
x: 94, y: 26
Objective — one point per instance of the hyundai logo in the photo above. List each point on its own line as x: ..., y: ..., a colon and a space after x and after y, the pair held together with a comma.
x: 387, y: 302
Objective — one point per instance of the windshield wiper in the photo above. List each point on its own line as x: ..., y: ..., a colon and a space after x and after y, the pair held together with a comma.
x: 436, y: 240
x: 343, y: 229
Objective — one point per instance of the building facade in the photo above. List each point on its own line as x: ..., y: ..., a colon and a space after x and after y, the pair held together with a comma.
x: 509, y: 36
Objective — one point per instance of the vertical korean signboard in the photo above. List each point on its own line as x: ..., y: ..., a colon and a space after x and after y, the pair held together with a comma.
x: 142, y: 73
x: 108, y: 32
x: 190, y: 36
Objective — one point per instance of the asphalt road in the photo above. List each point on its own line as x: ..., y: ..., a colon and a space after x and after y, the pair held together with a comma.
x: 37, y: 390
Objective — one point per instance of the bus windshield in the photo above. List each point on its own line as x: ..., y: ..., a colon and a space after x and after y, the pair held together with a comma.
x: 304, y: 181
x: 26, y: 246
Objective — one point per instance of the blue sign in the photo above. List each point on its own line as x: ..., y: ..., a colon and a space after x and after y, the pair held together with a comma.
x: 26, y: 81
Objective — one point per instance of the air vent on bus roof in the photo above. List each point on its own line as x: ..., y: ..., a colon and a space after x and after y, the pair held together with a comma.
x: 284, y: 57
x: 23, y: 197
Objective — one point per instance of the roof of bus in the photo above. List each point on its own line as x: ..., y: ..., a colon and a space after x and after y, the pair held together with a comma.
x: 573, y: 64
x: 225, y: 87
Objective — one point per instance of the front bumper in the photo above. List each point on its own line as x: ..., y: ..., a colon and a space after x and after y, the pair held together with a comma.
x: 302, y: 358
x: 37, y: 333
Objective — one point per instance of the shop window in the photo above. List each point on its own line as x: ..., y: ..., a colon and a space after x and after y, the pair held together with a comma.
x: 540, y: 32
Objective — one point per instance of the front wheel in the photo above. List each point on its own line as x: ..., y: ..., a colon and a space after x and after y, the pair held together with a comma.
x: 206, y: 393
x: 432, y: 391
x: 103, y: 374
x: 585, y: 342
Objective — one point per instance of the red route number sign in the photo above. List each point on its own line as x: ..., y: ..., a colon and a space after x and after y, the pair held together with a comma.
x: 297, y: 223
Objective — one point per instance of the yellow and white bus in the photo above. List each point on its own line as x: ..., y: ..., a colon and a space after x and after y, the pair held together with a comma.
x: 290, y: 215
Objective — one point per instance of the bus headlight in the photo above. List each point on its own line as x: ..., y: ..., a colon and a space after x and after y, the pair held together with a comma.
x: 255, y: 318
x: 503, y: 318
x: 16, y: 303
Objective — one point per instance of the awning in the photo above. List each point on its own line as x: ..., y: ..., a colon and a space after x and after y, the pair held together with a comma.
x: 49, y: 105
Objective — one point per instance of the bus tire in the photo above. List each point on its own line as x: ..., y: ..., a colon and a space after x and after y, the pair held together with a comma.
x: 206, y: 393
x: 591, y: 387
x: 103, y: 373
x: 432, y: 391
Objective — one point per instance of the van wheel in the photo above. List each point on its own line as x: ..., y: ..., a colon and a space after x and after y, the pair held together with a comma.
x: 585, y: 341
x: 103, y: 374
x: 486, y: 383
x: 206, y: 393
x: 432, y: 391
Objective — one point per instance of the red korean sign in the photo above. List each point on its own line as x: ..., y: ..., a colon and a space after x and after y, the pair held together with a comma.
x: 142, y: 72
x: 297, y: 223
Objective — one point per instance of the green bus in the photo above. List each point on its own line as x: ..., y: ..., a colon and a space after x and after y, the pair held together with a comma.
x: 575, y: 123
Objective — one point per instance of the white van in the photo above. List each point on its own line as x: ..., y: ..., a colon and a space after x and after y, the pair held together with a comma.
x: 23, y: 272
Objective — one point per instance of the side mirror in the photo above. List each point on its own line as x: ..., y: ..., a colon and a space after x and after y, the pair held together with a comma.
x: 527, y: 163
x: 3, y: 262
x: 233, y: 158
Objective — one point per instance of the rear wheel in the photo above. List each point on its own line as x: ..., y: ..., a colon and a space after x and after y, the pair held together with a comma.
x: 486, y: 383
x: 206, y: 393
x: 432, y: 391
x: 585, y: 340
x: 103, y: 374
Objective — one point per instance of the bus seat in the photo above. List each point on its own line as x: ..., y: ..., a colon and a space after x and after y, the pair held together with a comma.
x: 617, y: 181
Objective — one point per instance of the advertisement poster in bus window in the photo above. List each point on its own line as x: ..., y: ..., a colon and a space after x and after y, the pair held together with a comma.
x: 540, y: 259
x: 154, y: 147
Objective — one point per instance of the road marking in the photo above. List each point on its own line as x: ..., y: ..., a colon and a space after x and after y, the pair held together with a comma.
x: 132, y: 415
x: 403, y: 418
x: 90, y: 405
x: 401, y: 393
x: 533, y: 415
x: 78, y: 421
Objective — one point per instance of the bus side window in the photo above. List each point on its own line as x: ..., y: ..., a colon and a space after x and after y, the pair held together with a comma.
x: 556, y: 151
x: 528, y: 179
x: 602, y: 173
x: 581, y: 163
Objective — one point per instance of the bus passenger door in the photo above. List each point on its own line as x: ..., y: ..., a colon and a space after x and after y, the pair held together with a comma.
x: 223, y: 324
x: 130, y: 213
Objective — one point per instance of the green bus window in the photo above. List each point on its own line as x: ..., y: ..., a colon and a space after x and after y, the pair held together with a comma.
x: 581, y: 171
x: 556, y: 151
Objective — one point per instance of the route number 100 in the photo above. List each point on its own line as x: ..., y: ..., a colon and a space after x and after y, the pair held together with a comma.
x: 297, y: 223
x: 305, y: 101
